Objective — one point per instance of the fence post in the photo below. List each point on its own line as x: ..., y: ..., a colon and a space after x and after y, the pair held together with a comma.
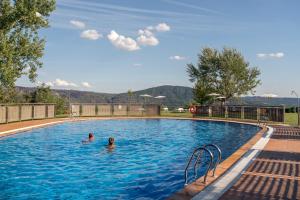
x: 32, y: 112
x: 242, y: 112
x: 96, y: 110
x: 112, y: 110
x: 159, y: 110
x: 6, y: 114
x: 283, y: 114
x: 20, y: 112
x: 127, y: 110
x: 46, y: 111
x: 209, y: 111
x: 54, y: 111
x: 258, y: 113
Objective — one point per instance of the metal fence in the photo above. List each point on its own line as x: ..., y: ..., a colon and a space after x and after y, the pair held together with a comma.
x: 22, y: 112
x: 107, y: 110
x: 270, y: 113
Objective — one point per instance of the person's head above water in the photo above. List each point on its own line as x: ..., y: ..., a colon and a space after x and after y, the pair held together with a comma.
x: 91, y: 136
x: 111, y: 141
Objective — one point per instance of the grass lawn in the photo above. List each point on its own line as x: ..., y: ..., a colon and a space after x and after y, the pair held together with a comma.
x: 291, y: 118
x: 176, y: 114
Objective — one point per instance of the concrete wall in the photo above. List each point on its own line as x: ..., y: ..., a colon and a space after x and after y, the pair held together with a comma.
x: 26, y: 112
x: 21, y: 112
x: 50, y: 111
x: 75, y: 110
x: 2, y: 114
x: 114, y: 110
x: 88, y: 110
x: 135, y: 110
x: 120, y: 110
x: 13, y: 113
x: 104, y: 110
x: 39, y: 111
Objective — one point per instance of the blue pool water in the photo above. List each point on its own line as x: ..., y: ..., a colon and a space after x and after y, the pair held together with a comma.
x: 147, y: 163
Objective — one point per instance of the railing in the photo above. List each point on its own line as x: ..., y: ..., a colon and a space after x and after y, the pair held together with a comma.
x: 259, y: 113
x: 23, y: 112
x: 208, y: 156
x: 102, y: 110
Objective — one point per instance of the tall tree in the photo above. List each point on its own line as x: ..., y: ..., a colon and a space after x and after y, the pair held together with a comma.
x: 224, y: 72
x: 21, y: 48
x: 43, y: 94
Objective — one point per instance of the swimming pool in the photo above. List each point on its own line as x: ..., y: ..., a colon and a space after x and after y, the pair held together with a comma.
x: 147, y: 163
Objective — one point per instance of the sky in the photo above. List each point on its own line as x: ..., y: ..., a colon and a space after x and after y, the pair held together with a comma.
x: 115, y: 45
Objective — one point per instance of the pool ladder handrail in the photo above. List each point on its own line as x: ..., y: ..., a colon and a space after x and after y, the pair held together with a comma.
x: 191, y: 158
x: 215, y: 164
x: 201, y: 149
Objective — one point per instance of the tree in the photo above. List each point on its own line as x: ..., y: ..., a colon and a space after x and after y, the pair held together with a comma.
x: 43, y: 94
x: 223, y: 72
x: 129, y: 94
x: 21, y: 48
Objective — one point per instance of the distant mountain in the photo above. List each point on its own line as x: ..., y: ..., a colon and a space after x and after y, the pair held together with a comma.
x: 275, y: 101
x: 175, y: 96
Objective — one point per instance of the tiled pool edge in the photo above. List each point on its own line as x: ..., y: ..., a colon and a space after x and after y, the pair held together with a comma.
x: 194, y: 189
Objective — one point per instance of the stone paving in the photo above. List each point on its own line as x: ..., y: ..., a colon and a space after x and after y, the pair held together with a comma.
x: 275, y: 173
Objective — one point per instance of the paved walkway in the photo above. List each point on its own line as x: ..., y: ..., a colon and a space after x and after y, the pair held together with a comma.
x: 12, y: 128
x: 275, y: 173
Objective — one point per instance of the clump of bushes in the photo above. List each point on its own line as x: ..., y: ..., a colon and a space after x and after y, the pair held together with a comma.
x: 291, y: 110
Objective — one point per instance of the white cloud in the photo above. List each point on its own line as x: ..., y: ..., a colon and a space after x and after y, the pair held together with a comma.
x: 78, y: 24
x: 122, y: 42
x: 177, y: 58
x: 86, y: 84
x: 137, y: 65
x: 162, y: 27
x: 270, y: 95
x: 90, y: 35
x: 63, y: 83
x: 270, y: 55
x: 49, y: 84
x: 146, y: 37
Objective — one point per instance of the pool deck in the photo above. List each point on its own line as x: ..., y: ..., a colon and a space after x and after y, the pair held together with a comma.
x: 15, y: 127
x: 275, y: 173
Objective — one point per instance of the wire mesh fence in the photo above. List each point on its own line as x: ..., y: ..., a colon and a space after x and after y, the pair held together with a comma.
x: 270, y: 113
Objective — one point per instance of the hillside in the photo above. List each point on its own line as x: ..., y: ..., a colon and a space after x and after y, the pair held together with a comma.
x: 175, y: 96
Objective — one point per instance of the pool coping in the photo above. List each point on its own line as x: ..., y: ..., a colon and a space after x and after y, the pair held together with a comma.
x: 190, y: 190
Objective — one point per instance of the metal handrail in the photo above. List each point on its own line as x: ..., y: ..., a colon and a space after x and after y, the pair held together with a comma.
x: 197, y: 161
x: 190, y: 160
x: 219, y: 156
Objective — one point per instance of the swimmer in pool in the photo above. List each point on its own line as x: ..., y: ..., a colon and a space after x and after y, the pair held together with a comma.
x: 111, y: 143
x: 91, y: 138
